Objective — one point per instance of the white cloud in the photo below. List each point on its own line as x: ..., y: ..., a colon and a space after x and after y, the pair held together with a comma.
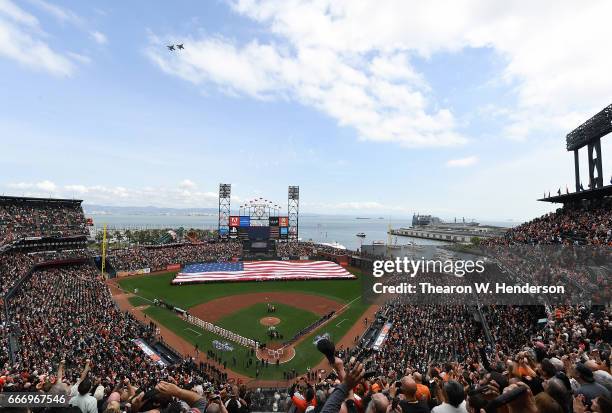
x: 462, y: 162
x: 20, y: 185
x: 65, y: 15
x: 60, y: 13
x: 384, y: 103
x: 45, y: 186
x: 179, y: 196
x: 10, y: 10
x: 187, y: 184
x: 80, y: 189
x: 21, y: 39
x: 80, y: 58
x: 99, y: 37
x: 351, y: 60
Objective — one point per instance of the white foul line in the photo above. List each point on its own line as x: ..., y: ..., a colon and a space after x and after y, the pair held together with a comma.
x: 198, y: 333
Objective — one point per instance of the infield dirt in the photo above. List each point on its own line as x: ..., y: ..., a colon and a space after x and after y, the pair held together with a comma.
x: 214, y: 310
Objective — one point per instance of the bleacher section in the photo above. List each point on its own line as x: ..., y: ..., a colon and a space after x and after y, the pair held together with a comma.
x: 40, y: 220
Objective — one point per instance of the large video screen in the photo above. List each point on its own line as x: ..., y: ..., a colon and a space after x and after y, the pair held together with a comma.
x: 241, y: 226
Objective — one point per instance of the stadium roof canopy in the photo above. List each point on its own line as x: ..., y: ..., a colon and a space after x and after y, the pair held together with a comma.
x: 589, y: 194
x: 591, y: 130
x: 7, y: 198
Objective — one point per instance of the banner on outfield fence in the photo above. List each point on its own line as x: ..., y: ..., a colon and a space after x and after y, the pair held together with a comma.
x: 135, y: 272
x: 382, y: 336
x: 173, y: 267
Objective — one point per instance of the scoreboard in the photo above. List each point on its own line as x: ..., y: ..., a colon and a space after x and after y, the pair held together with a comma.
x: 240, y: 227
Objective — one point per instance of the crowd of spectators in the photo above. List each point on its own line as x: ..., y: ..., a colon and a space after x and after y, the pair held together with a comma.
x: 72, y: 339
x: 424, y: 334
x: 590, y: 225
x: 158, y: 258
x: 569, y: 247
x: 306, y: 249
x: 583, y: 270
x: 512, y: 326
x: 15, y: 264
x: 436, y: 359
x: 24, y: 217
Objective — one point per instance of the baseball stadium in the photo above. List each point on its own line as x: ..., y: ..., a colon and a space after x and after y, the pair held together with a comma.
x: 305, y: 206
x: 250, y: 317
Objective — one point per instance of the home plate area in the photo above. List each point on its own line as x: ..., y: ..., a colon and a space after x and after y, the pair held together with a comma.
x: 274, y: 352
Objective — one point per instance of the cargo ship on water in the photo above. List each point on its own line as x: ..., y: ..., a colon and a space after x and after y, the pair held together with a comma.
x: 430, y: 227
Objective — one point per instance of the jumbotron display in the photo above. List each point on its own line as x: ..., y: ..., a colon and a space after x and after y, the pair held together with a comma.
x: 240, y: 227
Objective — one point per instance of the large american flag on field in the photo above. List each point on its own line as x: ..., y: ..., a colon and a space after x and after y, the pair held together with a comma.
x: 261, y: 271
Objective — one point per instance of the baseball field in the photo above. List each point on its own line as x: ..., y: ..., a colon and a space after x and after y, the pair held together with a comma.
x: 243, y: 309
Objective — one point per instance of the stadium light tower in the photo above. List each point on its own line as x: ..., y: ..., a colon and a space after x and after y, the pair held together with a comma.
x: 589, y: 134
x: 293, y: 209
x: 225, y: 191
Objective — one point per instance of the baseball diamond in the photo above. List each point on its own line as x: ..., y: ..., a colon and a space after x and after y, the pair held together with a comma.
x: 237, y: 307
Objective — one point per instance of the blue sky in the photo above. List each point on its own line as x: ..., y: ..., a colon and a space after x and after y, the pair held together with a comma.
x: 384, y: 108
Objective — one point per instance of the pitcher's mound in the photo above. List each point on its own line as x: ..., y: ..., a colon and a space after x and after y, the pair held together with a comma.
x: 269, y: 321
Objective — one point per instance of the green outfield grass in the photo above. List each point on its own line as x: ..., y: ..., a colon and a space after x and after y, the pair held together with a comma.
x: 246, y: 321
x: 186, y: 296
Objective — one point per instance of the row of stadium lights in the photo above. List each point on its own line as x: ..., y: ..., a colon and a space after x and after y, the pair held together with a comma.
x: 264, y: 200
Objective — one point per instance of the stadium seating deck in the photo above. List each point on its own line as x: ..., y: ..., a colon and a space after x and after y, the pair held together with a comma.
x: 60, y: 327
